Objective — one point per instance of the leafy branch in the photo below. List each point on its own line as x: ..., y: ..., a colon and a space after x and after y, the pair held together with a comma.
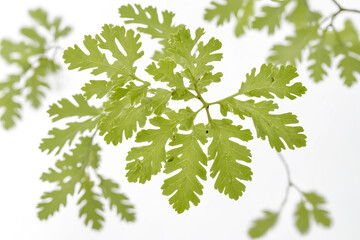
x: 33, y: 58
x: 175, y: 144
x: 308, y: 207
x: 323, y: 43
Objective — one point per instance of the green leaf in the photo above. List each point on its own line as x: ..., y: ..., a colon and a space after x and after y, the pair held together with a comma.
x: 320, y: 56
x: 60, y: 32
x: 31, y: 56
x: 223, y: 12
x: 145, y: 161
x: 100, y: 88
x: 181, y: 52
x: 349, y: 66
x: 165, y: 73
x: 117, y: 200
x: 36, y: 82
x: 64, y: 108
x: 302, y: 216
x: 32, y: 34
x: 314, y: 198
x: 8, y: 101
x: 92, y: 207
x: 262, y: 225
x: 302, y: 16
x: 68, y: 172
x: 152, y: 25
x: 157, y: 104
x: 322, y: 217
x: 41, y: 17
x: 190, y: 159
x: 121, y: 116
x: 271, y: 16
x: 227, y: 169
x: 272, y: 80
x: 244, y: 19
x: 122, y: 69
x: 19, y: 53
x: 149, y: 17
x: 62, y: 136
x: 277, y: 127
x: 292, y: 51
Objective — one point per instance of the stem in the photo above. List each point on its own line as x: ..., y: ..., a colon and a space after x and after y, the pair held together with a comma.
x: 205, y: 104
x: 217, y: 102
x: 290, y: 182
x: 334, y: 15
x: 286, y: 166
x: 138, y: 79
x: 337, y: 4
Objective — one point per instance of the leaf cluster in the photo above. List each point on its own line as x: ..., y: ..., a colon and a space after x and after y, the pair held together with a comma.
x: 31, y: 57
x: 309, y: 207
x: 313, y: 33
x: 173, y: 141
x: 78, y: 171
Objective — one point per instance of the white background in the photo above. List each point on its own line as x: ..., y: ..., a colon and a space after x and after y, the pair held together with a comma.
x: 329, y: 113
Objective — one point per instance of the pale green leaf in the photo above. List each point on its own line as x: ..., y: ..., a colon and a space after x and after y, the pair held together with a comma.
x: 60, y: 137
x: 145, y: 161
x: 272, y: 16
x: 117, y: 200
x: 301, y: 16
x: 227, y: 154
x: 302, y: 216
x: 322, y: 217
x: 262, y: 225
x: 292, y: 51
x: 36, y: 82
x: 92, y: 207
x: 68, y: 172
x: 64, y: 108
x: 122, y: 68
x: 100, y: 88
x: 320, y: 56
x: 223, y: 12
x: 350, y: 68
x: 272, y: 80
x: 278, y: 128
x: 184, y: 186
x: 41, y: 17
x: 32, y: 34
x: 165, y: 73
x: 8, y: 101
x: 244, y: 18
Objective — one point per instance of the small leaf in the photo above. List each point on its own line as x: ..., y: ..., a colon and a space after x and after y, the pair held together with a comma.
x: 302, y: 216
x: 122, y: 68
x: 272, y: 80
x: 190, y: 158
x: 322, y: 217
x: 223, y: 12
x: 92, y: 207
x: 320, y: 56
x: 226, y: 154
x: 117, y: 200
x: 244, y: 19
x: 292, y: 51
x: 271, y: 16
x: 64, y: 108
x: 60, y: 137
x: 278, y: 128
x: 262, y: 225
